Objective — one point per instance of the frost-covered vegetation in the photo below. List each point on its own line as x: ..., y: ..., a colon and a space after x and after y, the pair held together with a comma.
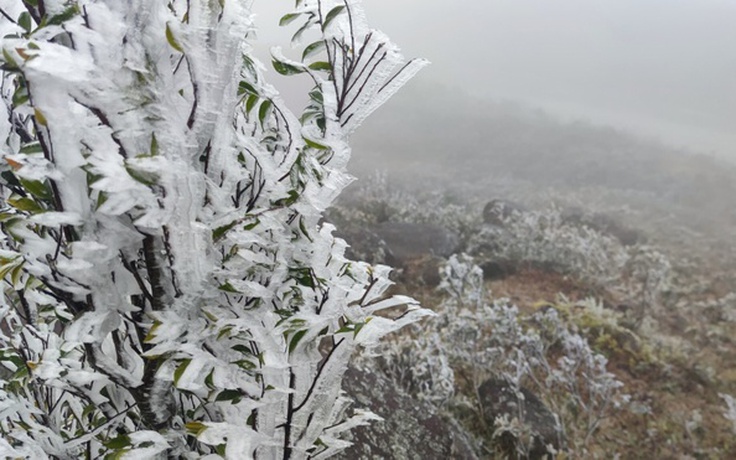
x: 625, y: 341
x: 168, y: 287
x: 476, y: 338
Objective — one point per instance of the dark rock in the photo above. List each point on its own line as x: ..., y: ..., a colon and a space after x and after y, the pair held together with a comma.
x: 397, y: 243
x: 408, y: 240
x: 494, y: 270
x: 409, y: 430
x: 499, y: 398
x: 496, y: 212
x: 364, y: 244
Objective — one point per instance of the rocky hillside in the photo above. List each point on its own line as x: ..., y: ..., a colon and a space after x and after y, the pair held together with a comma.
x: 581, y: 316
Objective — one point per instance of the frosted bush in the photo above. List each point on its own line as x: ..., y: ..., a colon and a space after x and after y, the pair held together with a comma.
x: 547, y: 238
x: 169, y: 288
x: 482, y: 338
x: 730, y: 412
x: 376, y: 199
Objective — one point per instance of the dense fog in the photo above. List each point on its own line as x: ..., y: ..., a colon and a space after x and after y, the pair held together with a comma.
x: 662, y: 69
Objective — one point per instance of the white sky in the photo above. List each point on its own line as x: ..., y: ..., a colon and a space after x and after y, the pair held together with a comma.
x: 664, y: 68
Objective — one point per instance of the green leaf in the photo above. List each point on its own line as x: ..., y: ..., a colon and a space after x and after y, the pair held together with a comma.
x: 288, y: 200
x: 40, y: 118
x: 264, y: 110
x: 303, y: 228
x: 316, y: 96
x: 315, y: 145
x: 250, y: 67
x: 295, y: 340
x: 242, y: 349
x: 358, y: 327
x: 303, y: 276
x: 144, y: 177
x: 118, y: 454
x: 195, y: 428
x: 288, y: 18
x: 230, y: 395
x: 321, y: 65
x: 252, y: 225
x: 209, y: 380
x: 332, y: 15
x: 245, y: 364
x: 180, y: 370
x: 8, y: 265
x: 286, y: 69
x: 245, y: 87
x: 225, y: 331
x: 9, y: 59
x: 31, y: 148
x: 37, y: 188
x: 315, y: 47
x: 25, y: 204
x: 118, y: 443
x: 20, y: 96
x: 64, y: 16
x: 219, y: 232
x: 251, y: 102
x: 24, y: 20
x: 154, y: 145
x: 16, y: 273
x: 151, y: 333
x: 10, y: 179
x: 172, y: 41
x: 227, y: 287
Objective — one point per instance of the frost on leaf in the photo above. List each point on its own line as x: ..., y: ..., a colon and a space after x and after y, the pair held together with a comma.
x: 169, y: 286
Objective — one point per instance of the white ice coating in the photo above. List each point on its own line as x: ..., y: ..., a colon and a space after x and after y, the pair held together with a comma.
x: 171, y: 247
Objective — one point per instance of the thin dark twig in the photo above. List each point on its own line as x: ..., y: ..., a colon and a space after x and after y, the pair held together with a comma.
x: 395, y: 75
x: 319, y: 373
x: 362, y: 87
x: 2, y: 11
x: 105, y: 121
x: 363, y: 69
x: 350, y: 22
x: 195, y: 94
x: 359, y: 57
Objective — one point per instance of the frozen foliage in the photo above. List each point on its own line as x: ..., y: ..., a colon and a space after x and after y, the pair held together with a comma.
x: 545, y: 237
x: 640, y: 273
x: 475, y: 338
x: 550, y: 238
x: 168, y: 288
x: 376, y: 200
x: 730, y: 412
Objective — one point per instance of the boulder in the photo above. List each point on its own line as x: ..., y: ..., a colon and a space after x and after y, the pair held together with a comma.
x: 498, y: 269
x: 409, y: 240
x: 364, y: 244
x: 397, y: 243
x: 500, y: 398
x: 410, y: 429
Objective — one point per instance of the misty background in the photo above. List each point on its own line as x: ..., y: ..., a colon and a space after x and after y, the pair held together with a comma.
x: 661, y: 69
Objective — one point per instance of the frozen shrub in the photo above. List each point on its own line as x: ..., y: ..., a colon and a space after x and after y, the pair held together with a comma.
x: 730, y: 412
x: 169, y: 287
x: 481, y: 338
x: 546, y: 238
